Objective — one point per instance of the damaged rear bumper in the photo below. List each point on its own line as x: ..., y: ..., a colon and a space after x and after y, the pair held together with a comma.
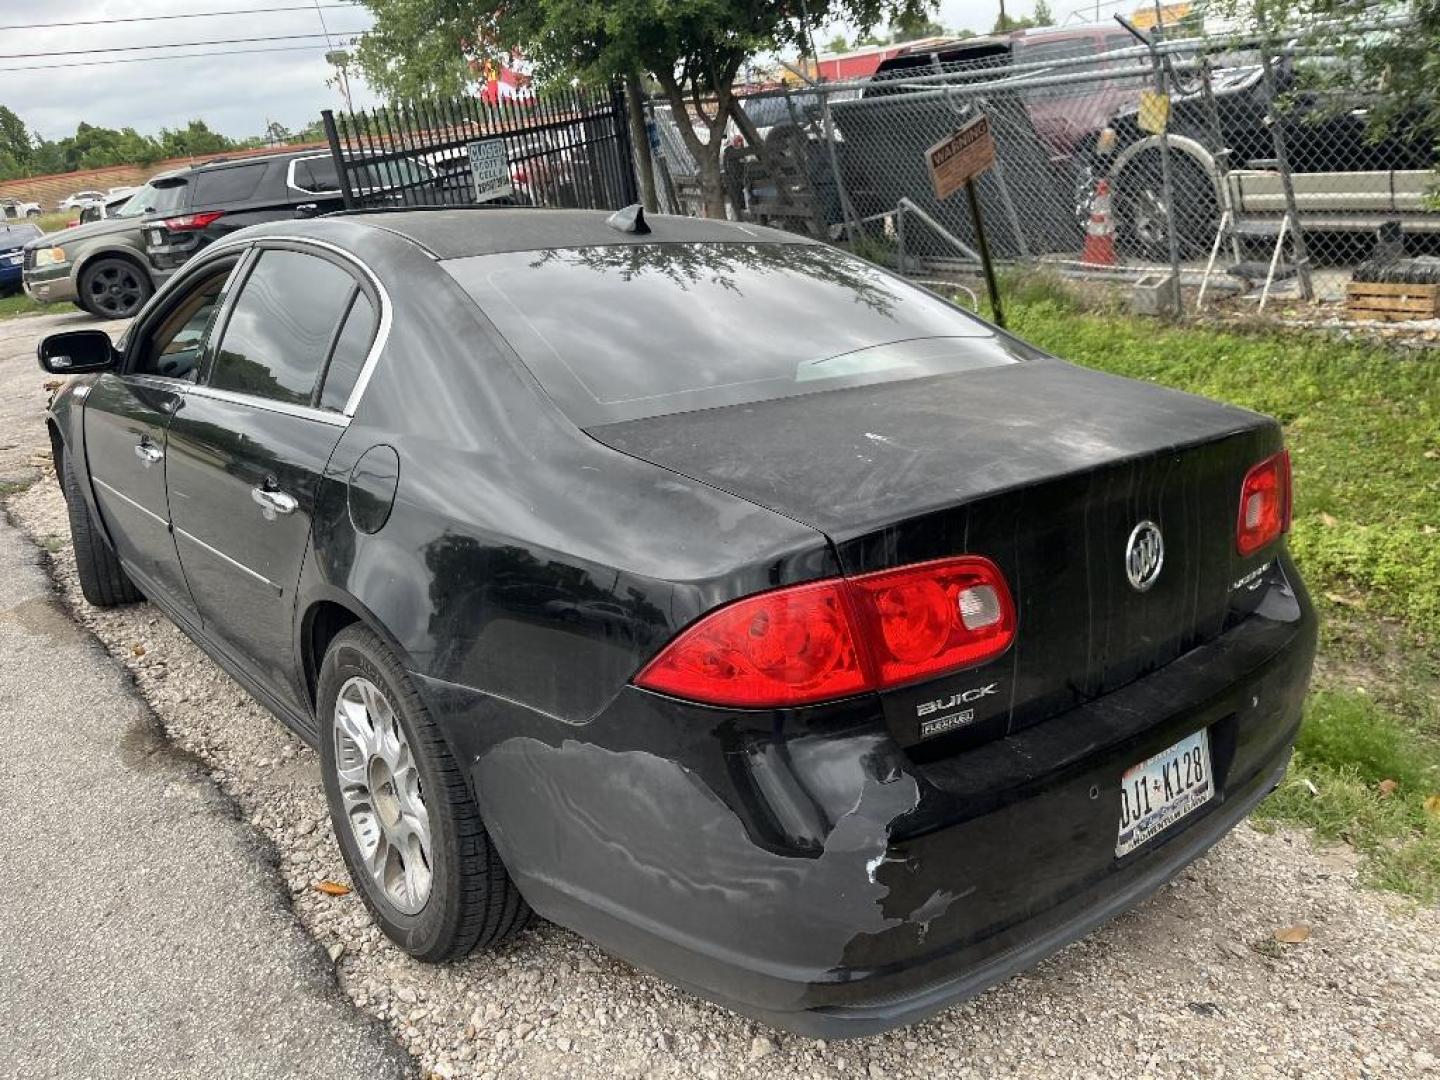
x: 803, y: 869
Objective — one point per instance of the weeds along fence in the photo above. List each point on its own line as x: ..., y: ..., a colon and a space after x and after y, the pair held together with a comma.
x: 1273, y: 182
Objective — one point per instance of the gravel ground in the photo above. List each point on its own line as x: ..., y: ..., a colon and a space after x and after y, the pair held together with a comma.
x: 1192, y: 983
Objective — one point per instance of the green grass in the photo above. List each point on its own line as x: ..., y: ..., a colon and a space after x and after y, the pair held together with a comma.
x: 1363, y: 426
x: 1361, y: 776
x: 55, y: 221
x: 19, y: 304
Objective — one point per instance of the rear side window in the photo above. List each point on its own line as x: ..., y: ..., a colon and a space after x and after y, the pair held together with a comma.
x: 352, y: 345
x: 232, y: 183
x: 279, y: 332
x: 648, y: 329
x: 316, y: 174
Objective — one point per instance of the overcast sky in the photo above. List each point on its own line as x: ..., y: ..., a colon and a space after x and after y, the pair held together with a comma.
x: 235, y: 92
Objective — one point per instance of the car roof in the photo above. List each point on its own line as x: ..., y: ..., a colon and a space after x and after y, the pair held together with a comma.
x: 461, y: 232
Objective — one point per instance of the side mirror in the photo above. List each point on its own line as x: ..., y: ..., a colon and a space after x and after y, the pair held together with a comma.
x: 307, y: 210
x: 90, y: 213
x: 75, y: 352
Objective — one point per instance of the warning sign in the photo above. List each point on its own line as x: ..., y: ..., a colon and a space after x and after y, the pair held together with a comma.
x: 961, y: 156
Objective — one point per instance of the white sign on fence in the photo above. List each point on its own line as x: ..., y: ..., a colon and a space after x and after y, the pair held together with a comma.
x: 490, y: 169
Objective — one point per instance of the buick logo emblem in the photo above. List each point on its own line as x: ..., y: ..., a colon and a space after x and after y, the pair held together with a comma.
x: 1144, y: 555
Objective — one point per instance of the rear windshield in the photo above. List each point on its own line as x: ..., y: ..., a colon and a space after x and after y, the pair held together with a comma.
x: 627, y: 331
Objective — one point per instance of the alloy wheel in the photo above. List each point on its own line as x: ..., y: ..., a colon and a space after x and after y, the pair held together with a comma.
x: 116, y: 289
x: 381, y: 792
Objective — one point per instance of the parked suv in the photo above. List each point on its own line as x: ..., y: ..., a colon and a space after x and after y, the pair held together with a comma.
x: 101, y: 265
x: 217, y: 198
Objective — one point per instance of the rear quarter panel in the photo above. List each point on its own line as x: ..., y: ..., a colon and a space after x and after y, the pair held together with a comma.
x: 522, y: 558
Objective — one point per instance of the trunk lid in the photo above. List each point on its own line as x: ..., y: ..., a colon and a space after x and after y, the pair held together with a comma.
x: 1045, y: 468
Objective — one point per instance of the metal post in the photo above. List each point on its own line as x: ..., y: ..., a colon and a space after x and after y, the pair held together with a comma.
x: 900, y: 237
x: 985, y: 262
x: 1167, y: 184
x: 1167, y: 175
x: 847, y: 209
x: 1287, y: 184
x: 1222, y: 156
x: 1022, y: 242
x: 620, y: 124
x: 337, y: 154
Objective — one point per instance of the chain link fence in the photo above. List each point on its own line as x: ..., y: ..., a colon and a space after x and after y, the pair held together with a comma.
x: 1224, y: 165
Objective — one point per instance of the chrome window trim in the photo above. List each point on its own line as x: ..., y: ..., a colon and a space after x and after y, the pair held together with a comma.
x: 306, y: 412
x: 382, y: 335
x: 126, y: 499
x: 227, y: 559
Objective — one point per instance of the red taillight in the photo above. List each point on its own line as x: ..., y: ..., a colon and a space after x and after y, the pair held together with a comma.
x: 191, y: 222
x: 840, y: 637
x: 1264, y: 504
x: 785, y: 647
x: 933, y: 617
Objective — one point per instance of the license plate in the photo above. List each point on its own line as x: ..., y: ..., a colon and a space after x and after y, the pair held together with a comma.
x: 157, y: 236
x: 1161, y: 790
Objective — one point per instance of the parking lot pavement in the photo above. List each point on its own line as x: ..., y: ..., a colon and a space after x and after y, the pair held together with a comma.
x: 143, y: 926
x: 22, y: 388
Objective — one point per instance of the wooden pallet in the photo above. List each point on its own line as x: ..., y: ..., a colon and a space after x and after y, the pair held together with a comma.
x: 1388, y: 300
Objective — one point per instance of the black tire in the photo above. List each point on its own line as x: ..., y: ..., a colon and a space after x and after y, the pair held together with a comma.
x: 103, y: 581
x: 1141, y: 221
x: 472, y: 903
x: 112, y: 287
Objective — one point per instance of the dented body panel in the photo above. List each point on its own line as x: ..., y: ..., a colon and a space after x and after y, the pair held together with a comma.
x: 803, y: 868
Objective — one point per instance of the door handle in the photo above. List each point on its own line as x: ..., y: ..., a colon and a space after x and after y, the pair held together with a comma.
x: 148, y: 452
x: 273, y: 502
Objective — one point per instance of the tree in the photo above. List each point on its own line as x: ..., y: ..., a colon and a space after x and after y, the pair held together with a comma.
x: 837, y: 44
x: 694, y: 49
x: 913, y: 29
x: 195, y: 139
x: 1004, y: 24
x: 17, y: 152
x: 1394, y: 72
x: 1043, y: 15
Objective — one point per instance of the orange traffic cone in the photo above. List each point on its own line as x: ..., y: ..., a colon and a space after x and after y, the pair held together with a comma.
x: 1099, y: 249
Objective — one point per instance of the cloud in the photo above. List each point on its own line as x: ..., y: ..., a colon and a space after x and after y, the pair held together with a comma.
x: 233, y: 92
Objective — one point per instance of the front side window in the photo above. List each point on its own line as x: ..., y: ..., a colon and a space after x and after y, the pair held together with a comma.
x: 280, y: 329
x: 175, y: 348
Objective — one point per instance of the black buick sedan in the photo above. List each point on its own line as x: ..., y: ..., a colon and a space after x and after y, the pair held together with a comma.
x: 772, y: 622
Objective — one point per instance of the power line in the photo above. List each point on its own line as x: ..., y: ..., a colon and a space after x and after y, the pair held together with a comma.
x: 174, y: 45
x: 170, y: 56
x: 166, y: 18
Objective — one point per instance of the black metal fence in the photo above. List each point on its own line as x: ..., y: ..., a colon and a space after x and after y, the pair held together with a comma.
x: 563, y: 148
